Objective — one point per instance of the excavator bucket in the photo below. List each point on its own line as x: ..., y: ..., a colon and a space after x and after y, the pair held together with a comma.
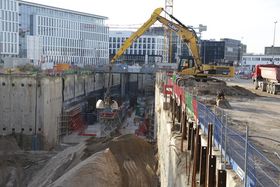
x: 100, y: 104
x: 115, y: 105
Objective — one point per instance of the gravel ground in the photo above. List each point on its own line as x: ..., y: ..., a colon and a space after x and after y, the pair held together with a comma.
x: 261, y: 114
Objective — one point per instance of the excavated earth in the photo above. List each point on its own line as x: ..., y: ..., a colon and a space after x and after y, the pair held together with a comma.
x: 121, y: 161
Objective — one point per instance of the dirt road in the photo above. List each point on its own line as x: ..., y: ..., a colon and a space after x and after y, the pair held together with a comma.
x: 262, y: 115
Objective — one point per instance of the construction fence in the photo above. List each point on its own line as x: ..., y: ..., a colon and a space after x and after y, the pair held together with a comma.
x: 236, y: 150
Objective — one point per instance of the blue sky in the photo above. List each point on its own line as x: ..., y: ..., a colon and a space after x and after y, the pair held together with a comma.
x: 251, y: 21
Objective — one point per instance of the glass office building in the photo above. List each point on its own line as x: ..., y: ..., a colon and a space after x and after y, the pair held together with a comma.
x: 50, y: 34
x: 9, y: 28
x: 147, y: 46
x: 226, y: 50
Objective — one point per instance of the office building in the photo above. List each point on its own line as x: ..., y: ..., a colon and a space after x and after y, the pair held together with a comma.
x: 148, y: 48
x: 227, y: 51
x: 56, y: 35
x: 177, y: 49
x: 252, y: 60
x: 272, y: 50
x: 9, y: 39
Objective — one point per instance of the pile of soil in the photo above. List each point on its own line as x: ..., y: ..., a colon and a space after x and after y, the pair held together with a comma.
x: 125, y: 160
x: 211, y: 88
x: 136, y: 160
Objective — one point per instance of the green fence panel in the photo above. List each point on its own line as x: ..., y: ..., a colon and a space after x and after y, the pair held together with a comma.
x: 189, y: 107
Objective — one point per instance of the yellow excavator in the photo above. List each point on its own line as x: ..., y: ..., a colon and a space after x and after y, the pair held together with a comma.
x: 191, y: 67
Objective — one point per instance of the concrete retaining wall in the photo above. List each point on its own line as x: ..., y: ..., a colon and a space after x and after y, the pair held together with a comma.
x: 172, y: 162
x: 69, y: 87
x: 17, y: 104
x: 79, y: 85
x: 31, y: 105
x: 49, y: 109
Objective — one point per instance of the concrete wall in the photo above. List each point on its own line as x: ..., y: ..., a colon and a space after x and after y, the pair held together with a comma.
x: 30, y: 105
x: 79, y: 85
x: 90, y: 83
x: 17, y: 104
x: 99, y: 81
x: 172, y: 162
x: 49, y: 109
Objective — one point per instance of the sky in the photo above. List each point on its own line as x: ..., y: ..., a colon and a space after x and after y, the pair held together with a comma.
x: 251, y: 21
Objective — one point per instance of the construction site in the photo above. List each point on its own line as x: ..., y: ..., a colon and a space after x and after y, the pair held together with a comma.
x: 128, y: 125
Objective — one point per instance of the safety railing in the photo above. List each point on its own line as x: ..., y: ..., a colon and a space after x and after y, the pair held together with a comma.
x: 231, y: 143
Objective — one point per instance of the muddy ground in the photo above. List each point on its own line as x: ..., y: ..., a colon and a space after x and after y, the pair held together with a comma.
x: 262, y: 115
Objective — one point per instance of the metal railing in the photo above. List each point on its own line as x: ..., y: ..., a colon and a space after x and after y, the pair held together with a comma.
x: 232, y: 144
x: 235, y: 147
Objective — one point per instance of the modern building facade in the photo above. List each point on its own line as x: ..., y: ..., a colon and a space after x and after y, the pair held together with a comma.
x: 252, y: 60
x: 228, y: 51
x: 177, y: 49
x: 9, y: 22
x: 212, y: 51
x: 142, y: 49
x: 272, y: 50
x: 55, y: 35
x: 148, y: 48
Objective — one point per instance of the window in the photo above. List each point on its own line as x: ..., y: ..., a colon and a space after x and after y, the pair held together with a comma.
x: 256, y: 59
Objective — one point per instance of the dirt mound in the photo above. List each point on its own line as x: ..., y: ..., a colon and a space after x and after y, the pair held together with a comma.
x: 134, y: 156
x: 58, y: 165
x: 240, y: 91
x: 136, y: 160
x: 128, y: 161
x: 100, y: 169
x: 211, y: 88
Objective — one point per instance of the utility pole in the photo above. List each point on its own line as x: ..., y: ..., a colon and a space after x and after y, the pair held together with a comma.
x: 274, y: 33
x: 273, y: 51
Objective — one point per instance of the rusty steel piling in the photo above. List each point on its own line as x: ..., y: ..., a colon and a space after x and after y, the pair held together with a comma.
x: 211, y: 171
x: 203, y: 154
x: 222, y: 178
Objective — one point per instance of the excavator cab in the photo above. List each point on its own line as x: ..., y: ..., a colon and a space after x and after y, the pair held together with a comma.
x: 186, y: 63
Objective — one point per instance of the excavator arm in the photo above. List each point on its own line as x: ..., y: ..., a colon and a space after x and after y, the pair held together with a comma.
x: 137, y: 34
x: 187, y: 34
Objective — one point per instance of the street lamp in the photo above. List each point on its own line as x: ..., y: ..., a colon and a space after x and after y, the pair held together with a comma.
x: 274, y: 33
x: 273, y: 51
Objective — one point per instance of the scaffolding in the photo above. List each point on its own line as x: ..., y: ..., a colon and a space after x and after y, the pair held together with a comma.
x: 71, y: 120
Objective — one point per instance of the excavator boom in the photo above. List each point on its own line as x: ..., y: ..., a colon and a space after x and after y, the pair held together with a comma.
x: 194, y: 65
x: 137, y: 34
x: 187, y: 34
